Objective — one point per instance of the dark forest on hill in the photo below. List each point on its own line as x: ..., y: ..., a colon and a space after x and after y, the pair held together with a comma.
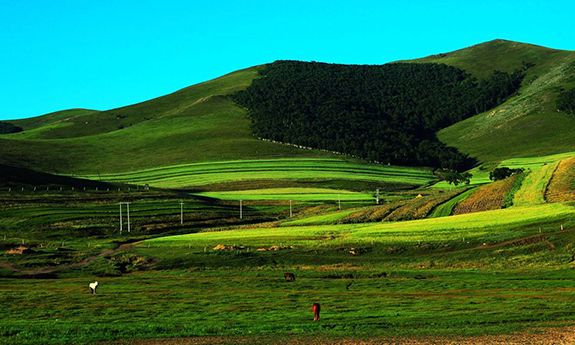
x: 384, y: 113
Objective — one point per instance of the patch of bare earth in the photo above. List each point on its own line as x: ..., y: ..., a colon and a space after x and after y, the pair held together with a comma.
x: 565, y: 335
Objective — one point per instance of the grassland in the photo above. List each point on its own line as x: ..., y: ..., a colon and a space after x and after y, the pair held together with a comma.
x: 301, y: 194
x: 477, y: 228
x: 202, y: 174
x: 401, y: 277
x: 166, y: 286
x: 195, y: 124
x: 446, y: 209
x: 492, y: 272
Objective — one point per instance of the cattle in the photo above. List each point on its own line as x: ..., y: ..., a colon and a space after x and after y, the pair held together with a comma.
x: 93, y: 287
x: 316, y: 309
x: 289, y: 276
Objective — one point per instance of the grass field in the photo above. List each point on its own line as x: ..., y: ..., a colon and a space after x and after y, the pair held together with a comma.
x: 446, y: 209
x: 528, y: 124
x: 299, y: 194
x: 406, y: 279
x: 195, y: 124
x: 373, y: 279
x: 407, y: 268
x: 201, y: 174
x: 480, y: 227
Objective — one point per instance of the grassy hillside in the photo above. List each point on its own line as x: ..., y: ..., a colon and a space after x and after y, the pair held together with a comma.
x: 272, y: 171
x: 526, y: 125
x: 195, y: 124
x: 199, y: 123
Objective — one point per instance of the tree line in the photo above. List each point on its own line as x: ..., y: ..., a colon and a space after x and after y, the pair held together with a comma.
x: 383, y: 113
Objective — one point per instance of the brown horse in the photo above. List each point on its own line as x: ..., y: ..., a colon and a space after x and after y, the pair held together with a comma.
x: 316, y: 309
x: 289, y: 276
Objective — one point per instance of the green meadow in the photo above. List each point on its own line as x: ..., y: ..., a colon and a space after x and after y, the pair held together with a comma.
x: 483, y: 273
x: 195, y: 263
x: 201, y: 174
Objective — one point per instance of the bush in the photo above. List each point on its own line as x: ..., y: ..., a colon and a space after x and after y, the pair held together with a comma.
x: 7, y: 128
x: 503, y: 173
x: 566, y: 102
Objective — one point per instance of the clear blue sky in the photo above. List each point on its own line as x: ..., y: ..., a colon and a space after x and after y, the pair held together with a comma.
x: 99, y: 54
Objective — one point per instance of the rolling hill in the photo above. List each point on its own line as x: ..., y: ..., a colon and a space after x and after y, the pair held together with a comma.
x: 526, y: 125
x: 194, y: 124
x: 201, y: 124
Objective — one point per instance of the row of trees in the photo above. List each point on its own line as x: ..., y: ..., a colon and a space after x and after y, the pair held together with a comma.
x: 388, y: 113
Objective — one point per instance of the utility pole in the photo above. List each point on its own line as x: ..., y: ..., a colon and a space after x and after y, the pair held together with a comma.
x: 128, y: 206
x: 120, y: 218
x: 290, y: 212
x: 339, y: 201
x: 241, y: 213
x: 377, y: 197
x: 182, y: 212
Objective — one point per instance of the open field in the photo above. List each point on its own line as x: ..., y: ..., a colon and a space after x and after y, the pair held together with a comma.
x: 446, y: 209
x: 302, y: 194
x: 58, y: 228
x: 408, y: 269
x: 195, y: 124
x: 432, y: 277
x: 201, y: 174
x: 478, y: 228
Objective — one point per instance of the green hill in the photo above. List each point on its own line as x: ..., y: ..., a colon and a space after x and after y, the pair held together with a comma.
x: 194, y: 124
x: 201, y: 124
x: 526, y: 125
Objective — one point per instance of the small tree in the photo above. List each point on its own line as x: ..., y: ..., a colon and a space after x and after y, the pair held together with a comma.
x: 456, y: 178
x: 503, y: 173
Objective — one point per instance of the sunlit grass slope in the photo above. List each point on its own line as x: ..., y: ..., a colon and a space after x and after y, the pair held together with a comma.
x: 196, y: 124
x: 527, y: 124
x: 299, y: 194
x: 479, y: 227
x: 198, y: 174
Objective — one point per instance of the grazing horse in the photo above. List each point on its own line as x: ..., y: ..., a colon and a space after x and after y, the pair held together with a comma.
x: 289, y: 276
x: 316, y: 309
x: 93, y: 287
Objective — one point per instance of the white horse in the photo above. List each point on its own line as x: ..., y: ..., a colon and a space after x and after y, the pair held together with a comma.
x: 93, y: 287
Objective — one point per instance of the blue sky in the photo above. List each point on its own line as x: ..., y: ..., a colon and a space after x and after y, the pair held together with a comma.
x: 57, y: 55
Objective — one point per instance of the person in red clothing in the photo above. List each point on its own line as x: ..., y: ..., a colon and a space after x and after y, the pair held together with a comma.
x: 316, y: 308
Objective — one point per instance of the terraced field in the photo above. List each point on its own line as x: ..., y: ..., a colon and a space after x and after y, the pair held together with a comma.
x: 488, y: 197
x: 298, y: 194
x: 479, y: 227
x: 561, y: 187
x: 202, y: 174
x: 446, y: 208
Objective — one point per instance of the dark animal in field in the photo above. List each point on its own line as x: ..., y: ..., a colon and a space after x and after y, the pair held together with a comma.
x: 93, y: 287
x: 289, y: 276
x: 316, y: 309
